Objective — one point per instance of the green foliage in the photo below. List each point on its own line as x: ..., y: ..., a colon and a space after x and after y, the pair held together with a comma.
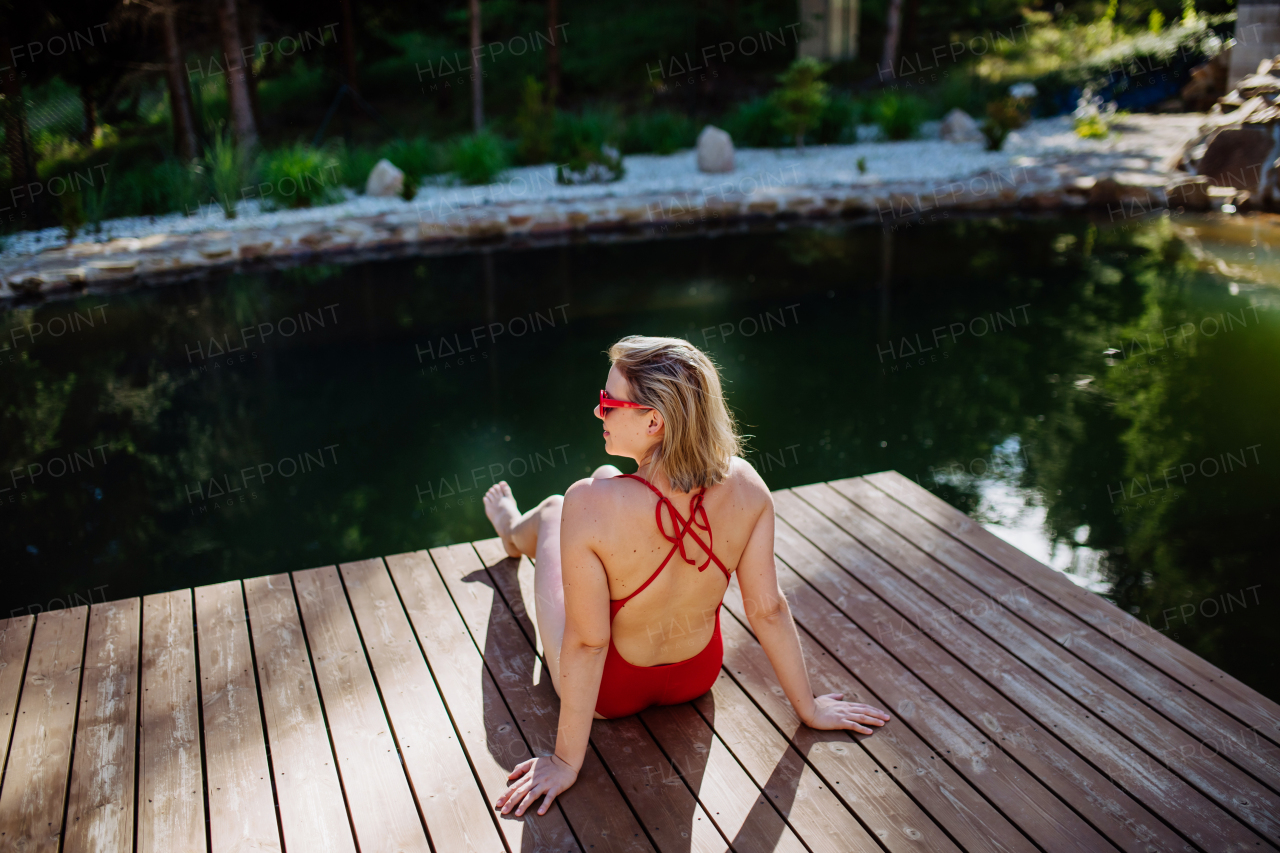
x: 298, y: 176
x: 534, y: 124
x: 71, y: 213
x: 95, y: 205
x: 228, y: 169
x: 1003, y: 115
x: 800, y: 98
x: 417, y: 157
x: 658, y: 132
x: 355, y: 162
x: 838, y: 121
x: 478, y: 159
x: 1091, y: 127
x: 1155, y: 23
x: 754, y: 124
x: 581, y: 136
x: 175, y: 186
x: 898, y: 116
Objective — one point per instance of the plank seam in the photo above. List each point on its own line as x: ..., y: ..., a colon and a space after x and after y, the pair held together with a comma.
x: 834, y: 789
x: 1260, y: 729
x: 204, y: 757
x: 445, y: 703
x: 697, y: 799
x: 75, y: 731
x: 1120, y: 690
x: 324, y: 714
x: 386, y: 712
x: 137, y: 727
x: 262, y: 716
x: 977, y: 725
x: 17, y: 703
x: 964, y: 586
x: 534, y: 648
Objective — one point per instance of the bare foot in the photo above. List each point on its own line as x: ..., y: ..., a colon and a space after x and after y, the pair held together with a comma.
x: 500, y: 506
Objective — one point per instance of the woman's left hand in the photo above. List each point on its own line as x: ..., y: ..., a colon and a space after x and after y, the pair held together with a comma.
x: 534, y: 778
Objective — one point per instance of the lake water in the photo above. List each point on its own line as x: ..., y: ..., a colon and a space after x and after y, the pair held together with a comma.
x: 1091, y: 392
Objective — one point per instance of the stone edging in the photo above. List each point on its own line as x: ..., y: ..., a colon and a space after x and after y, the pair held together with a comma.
x: 1060, y: 186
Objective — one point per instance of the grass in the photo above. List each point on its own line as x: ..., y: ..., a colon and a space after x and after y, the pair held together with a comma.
x: 298, y: 176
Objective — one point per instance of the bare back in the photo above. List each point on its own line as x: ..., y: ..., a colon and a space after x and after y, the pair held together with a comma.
x: 673, y: 618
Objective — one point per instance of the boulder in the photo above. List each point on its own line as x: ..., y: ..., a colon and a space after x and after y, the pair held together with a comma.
x: 959, y: 126
x: 715, y: 150
x: 1238, y: 146
x: 385, y: 180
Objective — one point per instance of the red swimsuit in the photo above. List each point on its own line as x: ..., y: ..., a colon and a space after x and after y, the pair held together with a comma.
x: 627, y: 689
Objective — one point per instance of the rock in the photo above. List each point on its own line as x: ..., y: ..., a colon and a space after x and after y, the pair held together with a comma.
x: 959, y: 126
x: 385, y: 180
x: 1188, y: 193
x: 1239, y: 144
x: 1208, y: 83
x: 715, y: 150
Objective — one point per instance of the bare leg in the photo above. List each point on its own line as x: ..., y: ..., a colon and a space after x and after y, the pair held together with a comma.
x: 535, y: 534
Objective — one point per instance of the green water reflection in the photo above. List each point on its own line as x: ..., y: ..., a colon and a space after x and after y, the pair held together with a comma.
x: 368, y: 407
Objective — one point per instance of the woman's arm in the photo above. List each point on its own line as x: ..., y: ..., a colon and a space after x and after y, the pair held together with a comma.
x: 582, y: 654
x: 586, y: 622
x: 771, y: 621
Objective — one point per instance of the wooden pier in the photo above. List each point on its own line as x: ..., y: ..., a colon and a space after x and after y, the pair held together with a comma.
x: 379, y: 706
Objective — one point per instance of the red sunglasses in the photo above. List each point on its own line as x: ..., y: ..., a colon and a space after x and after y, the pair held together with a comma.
x: 607, y: 403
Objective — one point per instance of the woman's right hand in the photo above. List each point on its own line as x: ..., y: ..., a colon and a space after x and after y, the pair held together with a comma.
x: 831, y: 713
x: 543, y: 776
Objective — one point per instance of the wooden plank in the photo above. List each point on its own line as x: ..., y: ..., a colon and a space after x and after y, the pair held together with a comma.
x: 900, y: 753
x: 171, y: 813
x: 242, y: 812
x: 488, y: 731
x: 35, y: 783
x: 313, y: 812
x: 1158, y: 788
x: 1227, y: 692
x: 1016, y: 762
x: 100, y: 809
x: 988, y: 611
x: 651, y: 759
x: 447, y: 792
x: 382, y: 809
x: 594, y: 806
x: 15, y: 640
x: 1176, y: 719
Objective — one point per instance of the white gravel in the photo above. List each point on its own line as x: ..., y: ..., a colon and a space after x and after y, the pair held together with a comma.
x: 1150, y: 136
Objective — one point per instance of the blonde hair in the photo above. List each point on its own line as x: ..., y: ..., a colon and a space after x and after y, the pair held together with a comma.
x: 679, y: 381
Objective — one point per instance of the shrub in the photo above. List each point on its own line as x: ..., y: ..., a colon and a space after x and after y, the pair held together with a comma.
x: 298, y: 176
x: 71, y: 213
x: 417, y: 158
x: 754, y: 124
x: 478, y: 159
x: 800, y: 98
x: 601, y: 165
x: 838, y: 121
x: 658, y: 132
x: 228, y: 169
x: 581, y: 136
x: 175, y: 187
x: 534, y: 124
x: 898, y: 116
x: 355, y: 162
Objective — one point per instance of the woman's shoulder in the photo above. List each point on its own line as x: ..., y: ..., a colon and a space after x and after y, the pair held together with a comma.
x: 746, y: 481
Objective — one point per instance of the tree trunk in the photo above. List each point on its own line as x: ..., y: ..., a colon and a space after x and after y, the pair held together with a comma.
x: 249, y: 37
x: 90, y: 114
x: 893, y: 27
x: 349, y: 46
x: 553, y: 52
x: 477, y: 76
x: 184, y: 128
x: 239, y: 106
x: 17, y: 135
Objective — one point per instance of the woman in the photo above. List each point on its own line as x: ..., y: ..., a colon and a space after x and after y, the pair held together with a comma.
x: 618, y: 635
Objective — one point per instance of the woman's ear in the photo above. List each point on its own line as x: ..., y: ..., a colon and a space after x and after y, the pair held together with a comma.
x: 654, y: 426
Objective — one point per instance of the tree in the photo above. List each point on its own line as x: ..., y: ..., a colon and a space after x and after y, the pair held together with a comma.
x: 892, y: 31
x: 800, y: 98
x: 553, y: 52
x: 477, y: 76
x: 238, y: 101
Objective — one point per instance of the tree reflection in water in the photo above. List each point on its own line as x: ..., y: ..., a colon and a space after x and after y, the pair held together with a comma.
x: 993, y: 361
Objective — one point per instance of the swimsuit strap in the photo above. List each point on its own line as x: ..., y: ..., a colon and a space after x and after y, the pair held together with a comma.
x: 680, y: 526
